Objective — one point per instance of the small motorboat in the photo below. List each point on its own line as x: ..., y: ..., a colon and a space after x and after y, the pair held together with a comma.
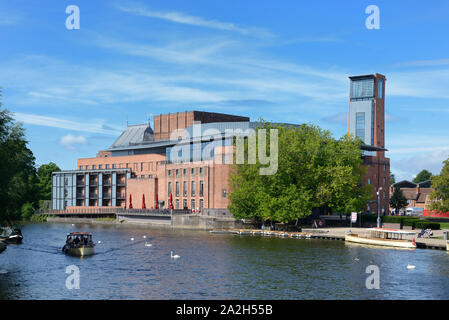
x: 79, y: 244
x: 11, y: 235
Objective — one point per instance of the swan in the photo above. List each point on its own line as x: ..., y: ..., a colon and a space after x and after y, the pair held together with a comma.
x: 132, y: 239
x: 174, y: 256
x: 99, y: 241
x: 144, y: 237
x: 409, y: 266
x: 356, y: 259
x: 148, y: 244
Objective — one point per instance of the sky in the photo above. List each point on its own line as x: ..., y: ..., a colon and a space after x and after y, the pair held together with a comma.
x: 74, y: 90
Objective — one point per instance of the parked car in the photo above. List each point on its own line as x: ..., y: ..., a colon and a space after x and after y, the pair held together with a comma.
x: 414, y: 211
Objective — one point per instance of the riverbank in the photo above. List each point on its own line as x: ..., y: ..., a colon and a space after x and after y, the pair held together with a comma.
x: 337, y: 233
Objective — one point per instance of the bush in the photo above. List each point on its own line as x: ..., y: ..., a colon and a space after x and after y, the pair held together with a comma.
x: 369, y: 217
x: 427, y: 225
x: 27, y: 211
x: 39, y: 218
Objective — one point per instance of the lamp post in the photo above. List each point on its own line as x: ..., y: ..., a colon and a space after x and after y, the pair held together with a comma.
x: 378, y: 207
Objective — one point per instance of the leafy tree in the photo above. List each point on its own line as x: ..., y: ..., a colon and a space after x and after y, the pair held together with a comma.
x: 440, y: 195
x: 314, y: 170
x: 17, y: 171
x: 392, y: 179
x: 44, y: 180
x: 397, y: 200
x: 424, y: 175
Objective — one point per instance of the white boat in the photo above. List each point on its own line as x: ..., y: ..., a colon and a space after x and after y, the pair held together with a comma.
x: 79, y: 244
x: 384, y: 237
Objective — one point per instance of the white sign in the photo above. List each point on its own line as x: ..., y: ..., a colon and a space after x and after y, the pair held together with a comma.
x: 354, y: 217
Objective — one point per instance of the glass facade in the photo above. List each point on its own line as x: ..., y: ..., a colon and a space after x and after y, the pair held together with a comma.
x: 360, y: 125
x: 195, y: 152
x: 363, y: 88
x: 380, y: 87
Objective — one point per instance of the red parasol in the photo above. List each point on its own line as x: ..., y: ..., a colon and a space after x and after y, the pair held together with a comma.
x: 143, y: 201
x: 130, y: 202
x: 171, y: 202
x: 156, y: 202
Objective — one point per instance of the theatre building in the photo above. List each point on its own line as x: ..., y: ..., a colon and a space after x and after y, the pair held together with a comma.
x: 141, y: 169
x: 138, y: 170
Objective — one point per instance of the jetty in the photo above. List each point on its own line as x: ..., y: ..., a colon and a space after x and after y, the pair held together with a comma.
x: 337, y: 234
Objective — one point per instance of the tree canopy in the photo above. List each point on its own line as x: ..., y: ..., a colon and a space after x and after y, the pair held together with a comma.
x: 314, y: 170
x: 44, y: 179
x: 397, y: 200
x: 440, y: 195
x: 424, y: 175
x: 21, y: 186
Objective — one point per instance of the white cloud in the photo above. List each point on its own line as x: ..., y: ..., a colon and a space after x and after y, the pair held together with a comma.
x: 182, y: 18
x: 71, y: 142
x: 91, y: 127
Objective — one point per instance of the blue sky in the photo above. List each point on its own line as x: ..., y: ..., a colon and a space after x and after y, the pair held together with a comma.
x: 285, y: 61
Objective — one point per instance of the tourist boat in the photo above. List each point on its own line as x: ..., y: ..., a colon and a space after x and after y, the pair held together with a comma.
x: 11, y: 235
x: 384, y: 237
x: 79, y: 244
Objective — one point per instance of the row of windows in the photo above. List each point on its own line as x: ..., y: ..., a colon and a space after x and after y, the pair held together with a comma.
x: 184, y: 188
x: 136, y: 166
x: 192, y: 204
x: 185, y: 172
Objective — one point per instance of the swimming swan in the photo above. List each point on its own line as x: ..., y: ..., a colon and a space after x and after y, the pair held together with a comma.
x: 174, y: 256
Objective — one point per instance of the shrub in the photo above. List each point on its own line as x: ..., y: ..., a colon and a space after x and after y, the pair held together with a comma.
x: 27, y: 211
x: 427, y: 225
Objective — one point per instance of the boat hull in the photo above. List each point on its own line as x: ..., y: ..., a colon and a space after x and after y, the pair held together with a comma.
x: 447, y: 245
x: 380, y: 242
x: 80, y: 251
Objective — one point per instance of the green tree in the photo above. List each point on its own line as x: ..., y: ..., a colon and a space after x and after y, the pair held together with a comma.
x: 44, y: 180
x: 440, y: 195
x: 424, y: 175
x: 392, y: 179
x: 397, y: 200
x: 17, y: 171
x: 314, y: 170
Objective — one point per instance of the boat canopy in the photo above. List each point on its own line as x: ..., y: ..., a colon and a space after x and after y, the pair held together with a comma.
x: 390, y: 231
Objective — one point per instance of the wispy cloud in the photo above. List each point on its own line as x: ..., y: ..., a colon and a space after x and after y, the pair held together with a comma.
x: 83, y: 126
x: 423, y: 63
x: 183, y: 18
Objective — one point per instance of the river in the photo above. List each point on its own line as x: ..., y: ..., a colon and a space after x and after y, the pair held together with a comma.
x: 212, y: 266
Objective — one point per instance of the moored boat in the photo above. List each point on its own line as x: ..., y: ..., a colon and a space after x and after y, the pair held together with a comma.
x: 384, y: 237
x: 11, y: 235
x: 79, y: 244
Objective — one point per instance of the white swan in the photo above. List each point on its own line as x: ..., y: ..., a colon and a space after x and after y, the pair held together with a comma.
x: 99, y: 241
x: 132, y: 239
x: 356, y: 259
x: 148, y: 244
x: 174, y: 256
x: 409, y: 266
x: 144, y: 237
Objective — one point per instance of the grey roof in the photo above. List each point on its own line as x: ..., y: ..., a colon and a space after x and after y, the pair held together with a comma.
x: 134, y: 135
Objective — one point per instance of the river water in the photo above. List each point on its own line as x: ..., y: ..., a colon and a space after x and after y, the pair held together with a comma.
x: 212, y: 267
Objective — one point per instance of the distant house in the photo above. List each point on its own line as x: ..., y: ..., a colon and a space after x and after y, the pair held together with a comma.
x: 417, y: 194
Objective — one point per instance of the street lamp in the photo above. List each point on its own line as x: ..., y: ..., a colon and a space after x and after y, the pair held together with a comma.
x: 378, y: 207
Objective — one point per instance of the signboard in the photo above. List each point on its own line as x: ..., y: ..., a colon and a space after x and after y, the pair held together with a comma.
x: 354, y: 217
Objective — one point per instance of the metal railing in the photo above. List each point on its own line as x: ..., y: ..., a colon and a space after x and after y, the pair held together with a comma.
x: 113, y: 210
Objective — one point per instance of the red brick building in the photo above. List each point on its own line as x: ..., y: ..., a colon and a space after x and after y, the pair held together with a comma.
x: 367, y: 122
